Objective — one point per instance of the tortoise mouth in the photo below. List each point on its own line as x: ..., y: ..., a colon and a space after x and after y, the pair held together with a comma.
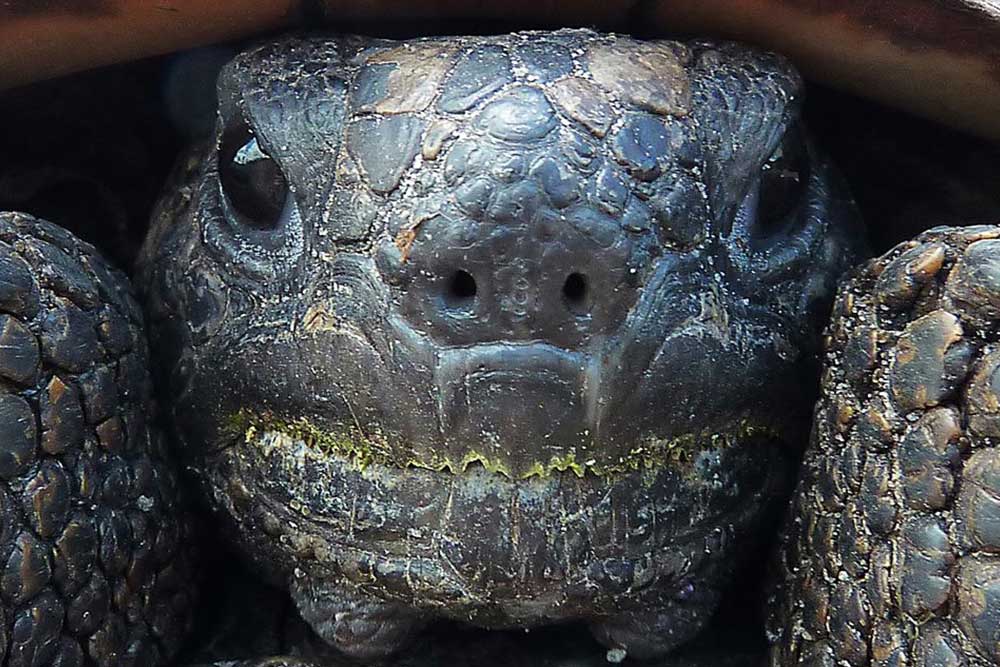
x: 559, y: 543
x: 517, y: 409
x: 348, y: 445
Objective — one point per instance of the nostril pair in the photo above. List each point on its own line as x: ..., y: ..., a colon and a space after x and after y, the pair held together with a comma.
x: 462, y: 289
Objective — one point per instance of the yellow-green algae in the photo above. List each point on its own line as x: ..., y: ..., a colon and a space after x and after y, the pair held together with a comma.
x: 363, y: 449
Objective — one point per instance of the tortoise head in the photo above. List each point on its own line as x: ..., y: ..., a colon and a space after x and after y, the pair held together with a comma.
x: 539, y: 267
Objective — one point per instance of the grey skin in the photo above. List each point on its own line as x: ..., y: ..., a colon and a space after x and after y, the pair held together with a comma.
x: 512, y: 330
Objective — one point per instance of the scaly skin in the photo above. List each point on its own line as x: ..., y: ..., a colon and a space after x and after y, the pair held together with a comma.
x: 95, y: 562
x: 891, y: 553
x: 526, y: 340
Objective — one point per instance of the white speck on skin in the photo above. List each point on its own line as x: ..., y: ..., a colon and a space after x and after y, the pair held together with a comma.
x: 616, y: 655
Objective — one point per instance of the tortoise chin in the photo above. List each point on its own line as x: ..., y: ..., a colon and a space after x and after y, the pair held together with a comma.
x: 470, y: 328
x: 483, y: 547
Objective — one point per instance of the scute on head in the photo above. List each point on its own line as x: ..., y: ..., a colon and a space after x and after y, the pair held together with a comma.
x: 651, y: 76
x: 412, y: 82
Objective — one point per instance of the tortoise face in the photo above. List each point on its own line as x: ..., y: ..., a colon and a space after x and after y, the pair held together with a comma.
x: 538, y: 270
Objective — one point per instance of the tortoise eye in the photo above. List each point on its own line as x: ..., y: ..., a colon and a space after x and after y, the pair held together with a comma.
x: 783, y: 180
x: 252, y: 181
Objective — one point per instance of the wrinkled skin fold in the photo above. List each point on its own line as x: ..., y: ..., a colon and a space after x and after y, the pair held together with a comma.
x: 510, y: 329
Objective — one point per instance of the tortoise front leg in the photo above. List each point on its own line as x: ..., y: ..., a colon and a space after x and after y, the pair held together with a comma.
x: 892, y: 553
x: 95, y: 548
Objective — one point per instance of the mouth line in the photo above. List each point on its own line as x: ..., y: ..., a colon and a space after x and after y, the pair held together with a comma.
x: 354, y: 447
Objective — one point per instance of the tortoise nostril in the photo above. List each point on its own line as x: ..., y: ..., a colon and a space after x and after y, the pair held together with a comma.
x: 575, y: 292
x: 461, y: 289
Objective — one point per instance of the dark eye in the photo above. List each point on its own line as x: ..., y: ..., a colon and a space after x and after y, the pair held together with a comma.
x: 252, y: 182
x: 783, y: 181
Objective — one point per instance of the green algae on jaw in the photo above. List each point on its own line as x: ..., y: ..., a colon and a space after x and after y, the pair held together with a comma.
x: 362, y: 449
x: 351, y: 444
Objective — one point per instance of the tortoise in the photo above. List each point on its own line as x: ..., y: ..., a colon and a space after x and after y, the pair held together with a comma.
x: 432, y: 210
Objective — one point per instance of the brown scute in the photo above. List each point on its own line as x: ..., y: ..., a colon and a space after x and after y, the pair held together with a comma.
x: 901, y: 281
x: 920, y: 376
x: 584, y: 102
x: 650, y: 75
x: 984, y: 397
x: 415, y: 80
x: 896, y: 520
x: 436, y: 134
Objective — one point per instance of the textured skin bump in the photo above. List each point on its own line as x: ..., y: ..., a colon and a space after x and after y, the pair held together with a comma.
x: 94, y: 562
x: 892, y: 554
x: 392, y: 450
